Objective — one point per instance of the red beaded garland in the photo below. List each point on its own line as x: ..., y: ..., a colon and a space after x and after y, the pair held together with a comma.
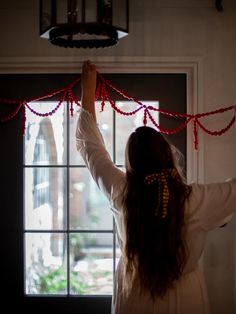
x: 24, y: 119
x: 13, y: 114
x: 103, y: 94
x: 47, y: 113
x: 217, y: 133
x: 195, y: 133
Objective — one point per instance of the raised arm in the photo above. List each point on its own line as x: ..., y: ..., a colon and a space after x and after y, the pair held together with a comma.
x: 89, y: 140
x: 88, y: 84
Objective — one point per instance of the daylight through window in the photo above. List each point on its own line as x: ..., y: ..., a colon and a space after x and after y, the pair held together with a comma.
x: 70, y: 245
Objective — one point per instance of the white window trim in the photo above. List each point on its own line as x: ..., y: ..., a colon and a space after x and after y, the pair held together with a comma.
x: 192, y: 67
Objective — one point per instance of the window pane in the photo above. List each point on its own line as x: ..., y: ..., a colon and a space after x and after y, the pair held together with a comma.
x: 91, y: 263
x: 45, y: 198
x: 45, y: 263
x: 125, y: 125
x: 105, y: 122
x: 89, y: 209
x: 45, y: 137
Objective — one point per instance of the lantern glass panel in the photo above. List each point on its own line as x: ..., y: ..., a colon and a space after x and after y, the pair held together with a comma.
x: 119, y: 14
x: 91, y: 11
x: 61, y: 17
x: 69, y: 11
x: 79, y: 11
x: 46, y: 15
x: 105, y: 12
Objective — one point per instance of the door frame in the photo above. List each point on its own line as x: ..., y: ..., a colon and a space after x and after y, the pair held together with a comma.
x: 192, y: 69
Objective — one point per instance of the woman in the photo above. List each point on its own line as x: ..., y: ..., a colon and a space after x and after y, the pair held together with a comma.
x: 161, y: 221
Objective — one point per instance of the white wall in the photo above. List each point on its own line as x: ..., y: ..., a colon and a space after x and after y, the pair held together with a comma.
x: 163, y: 29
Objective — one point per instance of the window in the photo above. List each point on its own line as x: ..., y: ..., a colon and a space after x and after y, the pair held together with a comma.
x: 70, y: 243
x: 63, y: 172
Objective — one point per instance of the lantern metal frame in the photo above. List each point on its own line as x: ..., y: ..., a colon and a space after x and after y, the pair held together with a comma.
x: 81, y: 34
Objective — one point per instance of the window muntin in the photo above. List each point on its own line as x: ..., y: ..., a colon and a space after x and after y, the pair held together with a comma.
x: 70, y: 244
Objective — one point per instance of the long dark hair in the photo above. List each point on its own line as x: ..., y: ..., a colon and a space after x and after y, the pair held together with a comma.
x: 155, y: 250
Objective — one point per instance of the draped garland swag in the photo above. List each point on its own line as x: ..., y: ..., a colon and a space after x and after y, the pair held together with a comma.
x: 102, y: 93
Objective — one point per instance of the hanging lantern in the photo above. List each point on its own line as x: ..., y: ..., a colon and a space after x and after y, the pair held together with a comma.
x: 84, y: 23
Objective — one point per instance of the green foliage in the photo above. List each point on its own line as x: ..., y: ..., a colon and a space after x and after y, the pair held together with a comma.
x: 54, y: 281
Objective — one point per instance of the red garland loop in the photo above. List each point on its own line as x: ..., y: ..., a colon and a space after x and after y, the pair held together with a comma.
x: 103, y: 94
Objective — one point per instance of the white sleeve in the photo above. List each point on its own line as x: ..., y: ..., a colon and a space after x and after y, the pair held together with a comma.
x: 214, y: 203
x: 91, y: 146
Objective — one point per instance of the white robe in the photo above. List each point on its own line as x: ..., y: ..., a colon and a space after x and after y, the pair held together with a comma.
x: 208, y: 207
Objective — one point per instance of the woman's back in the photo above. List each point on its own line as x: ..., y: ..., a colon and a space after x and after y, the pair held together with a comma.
x: 154, y: 218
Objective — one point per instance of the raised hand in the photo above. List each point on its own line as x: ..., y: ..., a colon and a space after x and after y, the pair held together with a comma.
x: 88, y: 85
x: 89, y: 77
